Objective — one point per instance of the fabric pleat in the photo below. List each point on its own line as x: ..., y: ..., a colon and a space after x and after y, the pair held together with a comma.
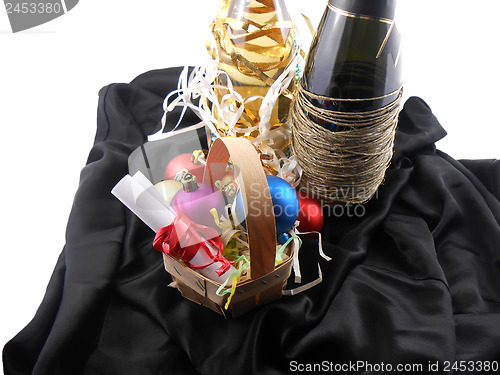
x: 414, y: 276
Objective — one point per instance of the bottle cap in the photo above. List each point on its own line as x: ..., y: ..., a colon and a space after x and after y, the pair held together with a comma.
x: 372, y: 8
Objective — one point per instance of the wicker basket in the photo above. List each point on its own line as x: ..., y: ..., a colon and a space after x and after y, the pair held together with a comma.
x: 266, y: 281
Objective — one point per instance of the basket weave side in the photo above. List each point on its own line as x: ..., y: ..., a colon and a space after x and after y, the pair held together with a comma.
x: 266, y: 281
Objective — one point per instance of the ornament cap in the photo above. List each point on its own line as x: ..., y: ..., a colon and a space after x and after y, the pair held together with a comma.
x: 283, y: 237
x: 229, y: 190
x: 188, y: 180
x: 198, y: 157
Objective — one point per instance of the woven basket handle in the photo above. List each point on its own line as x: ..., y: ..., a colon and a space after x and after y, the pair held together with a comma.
x: 255, y: 194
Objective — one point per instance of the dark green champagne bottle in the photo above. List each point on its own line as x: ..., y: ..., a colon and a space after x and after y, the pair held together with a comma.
x: 356, y: 55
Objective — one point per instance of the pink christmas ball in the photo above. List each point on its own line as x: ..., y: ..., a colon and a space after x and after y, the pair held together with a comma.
x: 196, y: 205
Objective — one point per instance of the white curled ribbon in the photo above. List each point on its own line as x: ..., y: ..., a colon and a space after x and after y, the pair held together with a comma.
x: 232, y: 234
x: 303, y: 288
x: 320, y: 244
x: 279, y: 86
x: 286, y: 168
x: 189, y: 89
x: 200, y: 84
x: 296, y: 265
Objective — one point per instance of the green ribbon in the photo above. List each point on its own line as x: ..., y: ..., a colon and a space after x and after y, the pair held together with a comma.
x: 281, y: 250
x: 222, y: 291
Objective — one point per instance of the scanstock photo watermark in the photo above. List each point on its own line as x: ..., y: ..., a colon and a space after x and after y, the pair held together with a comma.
x: 365, y: 367
x: 25, y: 15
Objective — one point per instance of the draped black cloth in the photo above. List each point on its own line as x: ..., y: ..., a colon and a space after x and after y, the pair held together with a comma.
x: 414, y: 276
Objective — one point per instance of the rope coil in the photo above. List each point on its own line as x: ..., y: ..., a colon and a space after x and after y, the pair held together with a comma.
x: 347, y: 165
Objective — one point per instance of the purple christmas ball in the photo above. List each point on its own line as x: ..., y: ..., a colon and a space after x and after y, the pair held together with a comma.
x: 196, y: 205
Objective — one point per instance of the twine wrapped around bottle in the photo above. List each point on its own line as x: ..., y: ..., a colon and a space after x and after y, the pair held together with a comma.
x: 347, y: 165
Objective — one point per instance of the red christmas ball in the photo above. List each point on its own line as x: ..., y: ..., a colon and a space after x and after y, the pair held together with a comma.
x: 310, y: 215
x: 183, y: 161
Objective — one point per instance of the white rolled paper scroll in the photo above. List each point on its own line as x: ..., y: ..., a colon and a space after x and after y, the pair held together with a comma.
x: 139, y: 195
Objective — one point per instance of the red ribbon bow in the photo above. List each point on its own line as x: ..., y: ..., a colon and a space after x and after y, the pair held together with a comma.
x: 184, y: 238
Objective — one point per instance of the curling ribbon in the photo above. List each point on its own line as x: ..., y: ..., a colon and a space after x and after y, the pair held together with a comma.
x: 182, y: 230
x: 303, y: 288
x: 280, y: 256
x: 320, y: 244
x: 224, y: 224
x: 233, y: 290
x: 222, y: 291
x: 296, y: 263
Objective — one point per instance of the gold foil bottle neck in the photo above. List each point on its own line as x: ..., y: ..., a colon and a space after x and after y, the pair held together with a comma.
x: 255, y: 43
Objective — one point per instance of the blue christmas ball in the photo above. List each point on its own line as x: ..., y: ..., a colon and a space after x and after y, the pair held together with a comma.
x: 238, y: 211
x: 285, y: 205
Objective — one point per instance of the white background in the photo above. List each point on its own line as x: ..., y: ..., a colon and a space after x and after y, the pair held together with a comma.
x: 50, y: 77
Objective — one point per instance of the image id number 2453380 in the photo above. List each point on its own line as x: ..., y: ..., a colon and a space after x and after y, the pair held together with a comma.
x: 33, y: 8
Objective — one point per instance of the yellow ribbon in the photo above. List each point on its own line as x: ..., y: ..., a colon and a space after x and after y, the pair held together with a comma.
x: 220, y: 224
x: 233, y: 290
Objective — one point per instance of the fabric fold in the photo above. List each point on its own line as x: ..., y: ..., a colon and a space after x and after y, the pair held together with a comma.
x: 413, y: 278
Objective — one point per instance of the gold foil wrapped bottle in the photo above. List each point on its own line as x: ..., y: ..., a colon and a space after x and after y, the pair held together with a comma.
x: 255, y: 43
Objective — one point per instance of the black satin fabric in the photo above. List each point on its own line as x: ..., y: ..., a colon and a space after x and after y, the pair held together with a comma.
x: 415, y: 279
